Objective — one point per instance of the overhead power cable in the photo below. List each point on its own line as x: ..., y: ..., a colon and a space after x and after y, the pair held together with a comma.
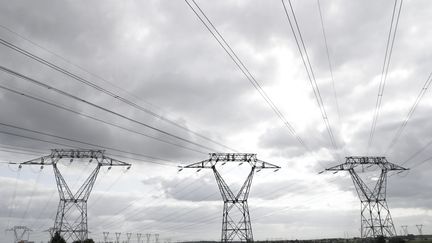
x: 410, y: 113
x: 101, y: 89
x: 240, y: 64
x: 329, y: 62
x: 384, y: 72
x: 64, y: 93
x: 292, y: 20
x: 45, y: 101
x: 82, y: 142
x: 68, y: 145
x: 415, y: 154
x: 75, y: 65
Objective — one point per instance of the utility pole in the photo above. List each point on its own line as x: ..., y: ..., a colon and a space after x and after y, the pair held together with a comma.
x: 71, y: 218
x: 375, y: 213
x: 105, y: 234
x: 20, y: 232
x: 420, y: 228
x: 117, y: 234
x: 139, y: 237
x: 405, y: 229
x: 236, y: 223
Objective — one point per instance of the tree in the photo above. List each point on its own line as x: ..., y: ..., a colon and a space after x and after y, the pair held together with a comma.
x: 57, y: 238
x: 85, y: 241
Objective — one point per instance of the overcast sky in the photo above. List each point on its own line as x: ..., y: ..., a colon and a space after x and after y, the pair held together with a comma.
x: 159, y: 55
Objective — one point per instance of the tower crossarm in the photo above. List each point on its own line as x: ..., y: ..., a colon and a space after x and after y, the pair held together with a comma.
x: 57, y: 154
x: 356, y: 161
x: 215, y: 158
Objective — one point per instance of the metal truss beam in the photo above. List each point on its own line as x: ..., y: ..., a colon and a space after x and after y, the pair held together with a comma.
x: 71, y: 217
x: 236, y: 223
x: 375, y: 214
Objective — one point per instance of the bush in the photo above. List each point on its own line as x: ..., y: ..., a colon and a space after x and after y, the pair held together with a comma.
x: 85, y: 241
x: 57, y: 238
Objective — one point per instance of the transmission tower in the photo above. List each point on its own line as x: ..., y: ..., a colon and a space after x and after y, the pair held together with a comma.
x: 71, y: 218
x: 405, y: 229
x: 20, y: 233
x: 139, y: 237
x: 375, y: 214
x: 105, y: 234
x: 420, y: 228
x: 128, y: 236
x: 236, y: 224
x: 118, y: 236
x: 148, y: 237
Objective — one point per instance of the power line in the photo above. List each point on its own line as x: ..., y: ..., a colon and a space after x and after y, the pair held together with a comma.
x: 309, y: 70
x: 73, y: 64
x: 410, y: 113
x: 239, y: 63
x: 62, y: 144
x: 388, y: 53
x: 329, y: 62
x: 21, y: 76
x: 82, y: 142
x: 45, y: 101
x: 101, y: 89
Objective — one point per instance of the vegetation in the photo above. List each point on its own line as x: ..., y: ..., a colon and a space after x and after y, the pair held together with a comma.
x: 57, y: 238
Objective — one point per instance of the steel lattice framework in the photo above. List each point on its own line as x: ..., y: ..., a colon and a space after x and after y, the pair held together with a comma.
x: 236, y: 223
x: 375, y: 213
x: 71, y: 218
x: 20, y: 233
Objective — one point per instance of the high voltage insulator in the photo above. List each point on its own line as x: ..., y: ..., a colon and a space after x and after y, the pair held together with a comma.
x: 71, y: 218
x: 236, y: 223
x: 20, y: 233
x: 375, y: 213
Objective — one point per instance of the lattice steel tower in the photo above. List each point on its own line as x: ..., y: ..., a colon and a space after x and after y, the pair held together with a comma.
x: 236, y: 223
x: 20, y: 233
x: 375, y: 213
x: 71, y: 218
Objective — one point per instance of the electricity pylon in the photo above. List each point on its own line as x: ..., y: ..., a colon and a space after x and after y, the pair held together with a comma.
x: 420, y: 228
x: 20, y: 232
x: 139, y: 237
x: 117, y: 234
x: 236, y: 223
x: 71, y: 218
x: 375, y: 213
x: 405, y: 229
x: 105, y: 234
x: 148, y: 235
